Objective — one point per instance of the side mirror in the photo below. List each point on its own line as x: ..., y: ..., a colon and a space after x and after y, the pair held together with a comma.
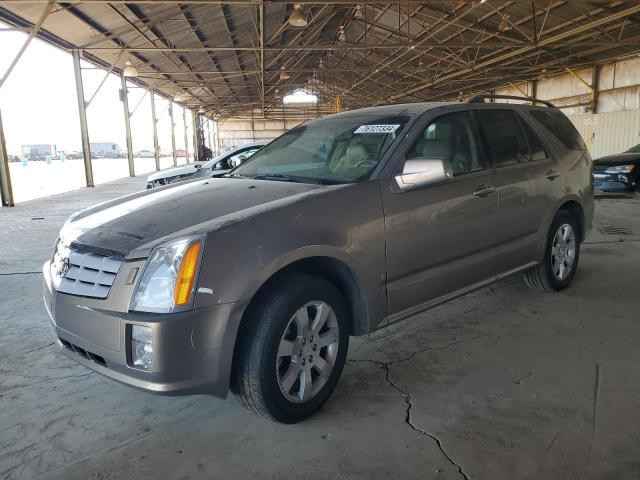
x: 420, y: 172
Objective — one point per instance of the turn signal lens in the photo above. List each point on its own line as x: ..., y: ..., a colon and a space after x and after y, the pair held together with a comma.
x: 169, y: 277
x: 620, y: 169
x: 187, y: 274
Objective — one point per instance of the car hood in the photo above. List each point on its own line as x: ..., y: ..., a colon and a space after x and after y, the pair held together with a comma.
x: 132, y: 225
x: 175, y: 172
x: 624, y: 158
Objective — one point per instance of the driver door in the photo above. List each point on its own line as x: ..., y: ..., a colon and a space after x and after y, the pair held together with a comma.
x: 440, y: 237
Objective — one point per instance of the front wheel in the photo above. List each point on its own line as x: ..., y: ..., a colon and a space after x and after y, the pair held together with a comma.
x: 561, y: 256
x: 292, y: 349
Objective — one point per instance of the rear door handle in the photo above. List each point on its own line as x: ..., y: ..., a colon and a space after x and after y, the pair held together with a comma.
x: 484, y: 191
x: 551, y: 174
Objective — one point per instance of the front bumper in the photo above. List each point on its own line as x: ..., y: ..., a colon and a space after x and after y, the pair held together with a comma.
x: 192, y: 350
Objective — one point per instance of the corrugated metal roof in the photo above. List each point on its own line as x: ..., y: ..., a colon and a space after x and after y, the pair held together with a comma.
x: 390, y: 52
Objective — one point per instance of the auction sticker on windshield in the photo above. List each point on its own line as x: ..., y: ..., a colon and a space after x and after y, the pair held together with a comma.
x: 377, y: 128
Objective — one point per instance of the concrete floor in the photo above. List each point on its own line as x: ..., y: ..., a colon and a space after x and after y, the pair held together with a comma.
x: 504, y: 383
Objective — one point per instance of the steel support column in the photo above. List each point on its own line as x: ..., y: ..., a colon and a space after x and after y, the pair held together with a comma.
x: 173, y: 135
x: 595, y: 87
x: 197, y: 123
x: 154, y: 119
x: 82, y: 113
x: 5, y: 176
x: 127, y: 124
x: 262, y: 87
x: 534, y: 90
x: 186, y: 137
x: 216, y: 137
x: 211, y: 144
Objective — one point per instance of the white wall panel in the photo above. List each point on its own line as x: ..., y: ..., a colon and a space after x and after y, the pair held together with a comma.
x: 234, y: 132
x: 608, y: 133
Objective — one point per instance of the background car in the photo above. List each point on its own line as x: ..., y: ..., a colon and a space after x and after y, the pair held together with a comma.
x: 220, y: 164
x: 145, y: 154
x: 619, y: 172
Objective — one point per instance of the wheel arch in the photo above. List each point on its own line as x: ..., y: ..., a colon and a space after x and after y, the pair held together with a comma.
x: 332, y: 267
x: 575, y: 208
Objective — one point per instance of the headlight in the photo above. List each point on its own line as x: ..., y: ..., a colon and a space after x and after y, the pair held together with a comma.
x: 169, y: 278
x: 620, y: 169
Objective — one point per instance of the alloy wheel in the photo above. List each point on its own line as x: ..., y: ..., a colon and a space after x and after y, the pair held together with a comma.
x: 563, y: 251
x: 307, y: 351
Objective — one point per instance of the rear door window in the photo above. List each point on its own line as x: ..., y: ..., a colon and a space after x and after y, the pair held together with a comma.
x: 505, y: 137
x: 537, y: 150
x: 561, y: 127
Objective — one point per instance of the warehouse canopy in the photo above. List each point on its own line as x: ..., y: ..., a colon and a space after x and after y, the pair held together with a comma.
x: 232, y: 57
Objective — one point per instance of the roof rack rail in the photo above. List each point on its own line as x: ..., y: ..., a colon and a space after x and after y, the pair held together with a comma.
x: 481, y: 99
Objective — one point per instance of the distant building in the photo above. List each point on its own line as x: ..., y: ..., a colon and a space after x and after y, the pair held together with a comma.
x: 106, y: 149
x: 38, y: 150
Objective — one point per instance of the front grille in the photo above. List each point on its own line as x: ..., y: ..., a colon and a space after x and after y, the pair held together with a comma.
x: 83, y: 273
x: 84, y: 353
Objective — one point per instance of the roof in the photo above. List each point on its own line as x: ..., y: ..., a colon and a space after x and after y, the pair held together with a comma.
x: 243, y: 55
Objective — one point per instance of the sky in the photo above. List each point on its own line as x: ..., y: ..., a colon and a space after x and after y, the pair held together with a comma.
x: 39, y: 106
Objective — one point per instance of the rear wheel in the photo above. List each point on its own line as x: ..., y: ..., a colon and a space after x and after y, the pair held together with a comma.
x: 293, y: 349
x: 561, y: 256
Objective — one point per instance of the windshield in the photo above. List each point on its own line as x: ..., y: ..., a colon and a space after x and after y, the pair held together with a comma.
x: 635, y: 149
x: 332, y: 150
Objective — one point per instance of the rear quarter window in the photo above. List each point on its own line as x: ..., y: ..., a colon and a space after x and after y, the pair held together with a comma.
x: 560, y: 127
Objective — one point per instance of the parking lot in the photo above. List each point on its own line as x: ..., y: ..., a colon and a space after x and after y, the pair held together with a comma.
x: 505, y: 382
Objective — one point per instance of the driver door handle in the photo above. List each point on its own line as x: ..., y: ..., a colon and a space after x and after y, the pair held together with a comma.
x: 484, y: 191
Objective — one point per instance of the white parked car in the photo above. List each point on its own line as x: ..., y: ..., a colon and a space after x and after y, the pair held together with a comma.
x: 220, y: 164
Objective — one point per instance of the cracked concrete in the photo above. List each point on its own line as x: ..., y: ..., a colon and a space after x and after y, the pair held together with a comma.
x: 504, y: 383
x: 408, y: 420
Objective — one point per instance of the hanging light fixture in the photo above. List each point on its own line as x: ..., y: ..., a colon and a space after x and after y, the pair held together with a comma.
x: 358, y: 13
x: 181, y: 96
x: 284, y: 75
x: 298, y: 17
x: 342, y: 36
x: 201, y: 110
x: 129, y: 69
x: 505, y: 24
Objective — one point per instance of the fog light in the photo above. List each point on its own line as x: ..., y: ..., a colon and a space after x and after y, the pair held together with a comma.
x: 623, y: 178
x: 142, y: 347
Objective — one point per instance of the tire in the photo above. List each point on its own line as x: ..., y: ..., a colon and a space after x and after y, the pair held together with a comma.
x: 546, y: 275
x: 270, y: 377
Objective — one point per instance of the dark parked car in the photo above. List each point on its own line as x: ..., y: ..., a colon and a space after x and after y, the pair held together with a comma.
x: 255, y: 281
x: 618, y: 173
x: 218, y: 165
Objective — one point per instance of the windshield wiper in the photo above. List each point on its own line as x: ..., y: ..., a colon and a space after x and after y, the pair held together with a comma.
x: 234, y: 175
x: 281, y: 177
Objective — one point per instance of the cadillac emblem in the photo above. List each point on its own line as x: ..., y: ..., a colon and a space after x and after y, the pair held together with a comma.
x: 63, y: 267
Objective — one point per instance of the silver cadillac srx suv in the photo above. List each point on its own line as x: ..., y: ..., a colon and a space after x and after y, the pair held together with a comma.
x: 254, y: 282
